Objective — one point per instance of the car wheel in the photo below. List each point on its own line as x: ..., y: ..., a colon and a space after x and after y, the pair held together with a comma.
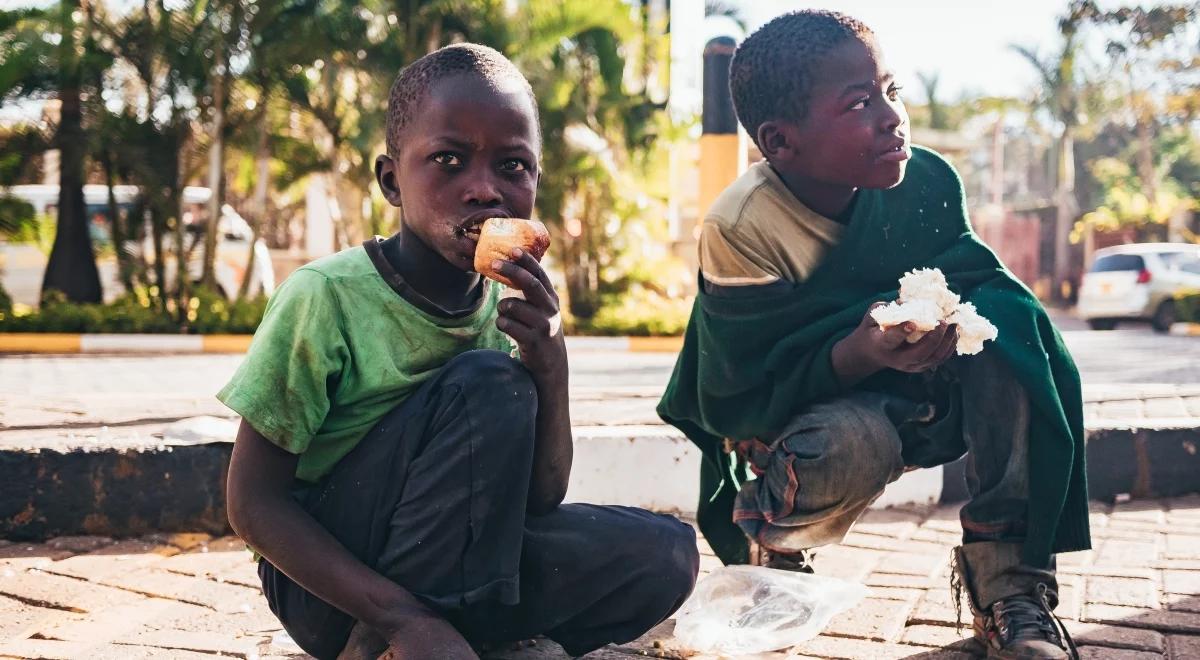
x: 1102, y: 324
x: 1164, y: 316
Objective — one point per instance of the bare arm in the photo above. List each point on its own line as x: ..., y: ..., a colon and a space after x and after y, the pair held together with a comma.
x: 263, y: 513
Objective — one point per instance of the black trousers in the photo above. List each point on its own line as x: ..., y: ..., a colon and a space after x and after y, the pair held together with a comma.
x: 434, y: 498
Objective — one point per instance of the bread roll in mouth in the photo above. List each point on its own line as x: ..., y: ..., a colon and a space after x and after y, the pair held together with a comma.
x: 498, y: 237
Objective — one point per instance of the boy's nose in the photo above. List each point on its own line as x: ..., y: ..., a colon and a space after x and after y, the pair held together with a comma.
x: 892, y: 117
x: 482, y: 191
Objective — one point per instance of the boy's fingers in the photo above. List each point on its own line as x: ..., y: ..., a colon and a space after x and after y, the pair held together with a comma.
x: 522, y: 333
x: 949, y: 343
x: 527, y: 282
x: 927, y: 346
x: 526, y: 261
x: 528, y: 315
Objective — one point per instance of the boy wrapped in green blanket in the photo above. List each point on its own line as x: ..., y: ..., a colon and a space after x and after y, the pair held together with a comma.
x: 784, y: 373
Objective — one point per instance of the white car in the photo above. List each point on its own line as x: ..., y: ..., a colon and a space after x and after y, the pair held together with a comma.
x: 1138, y: 282
x: 22, y: 266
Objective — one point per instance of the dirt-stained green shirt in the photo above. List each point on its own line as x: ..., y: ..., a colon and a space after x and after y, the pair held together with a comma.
x: 338, y: 348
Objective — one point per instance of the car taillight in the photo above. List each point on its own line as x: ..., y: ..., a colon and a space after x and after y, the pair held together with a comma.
x: 1144, y: 277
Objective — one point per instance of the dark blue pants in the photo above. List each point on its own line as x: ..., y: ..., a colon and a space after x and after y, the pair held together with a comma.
x: 434, y: 498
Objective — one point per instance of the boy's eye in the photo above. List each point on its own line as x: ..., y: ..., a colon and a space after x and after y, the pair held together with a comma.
x: 894, y: 92
x: 447, y: 159
x: 514, y: 165
x: 861, y: 103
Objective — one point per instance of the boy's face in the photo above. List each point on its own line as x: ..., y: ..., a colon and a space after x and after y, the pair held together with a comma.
x: 469, y: 153
x: 855, y: 134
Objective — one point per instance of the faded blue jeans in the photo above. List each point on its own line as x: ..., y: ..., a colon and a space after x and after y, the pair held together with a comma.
x: 817, y: 476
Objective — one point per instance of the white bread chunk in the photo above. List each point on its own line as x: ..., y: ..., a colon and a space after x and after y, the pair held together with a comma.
x: 973, y: 329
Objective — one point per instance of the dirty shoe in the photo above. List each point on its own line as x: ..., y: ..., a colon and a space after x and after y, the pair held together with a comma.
x: 796, y: 562
x: 1023, y: 628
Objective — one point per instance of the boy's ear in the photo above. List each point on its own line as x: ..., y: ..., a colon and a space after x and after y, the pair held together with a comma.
x: 777, y: 140
x: 385, y: 175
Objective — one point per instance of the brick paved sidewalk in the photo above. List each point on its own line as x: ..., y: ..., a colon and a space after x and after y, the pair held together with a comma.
x: 1135, y: 597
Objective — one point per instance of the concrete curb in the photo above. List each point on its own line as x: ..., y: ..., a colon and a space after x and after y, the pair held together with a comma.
x: 116, y: 489
x: 32, y: 342
x: 1185, y: 329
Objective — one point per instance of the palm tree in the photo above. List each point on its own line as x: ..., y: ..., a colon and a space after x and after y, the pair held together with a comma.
x: 50, y: 54
x: 1061, y: 95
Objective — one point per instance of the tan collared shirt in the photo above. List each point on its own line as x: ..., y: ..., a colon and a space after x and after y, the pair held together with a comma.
x: 758, y: 233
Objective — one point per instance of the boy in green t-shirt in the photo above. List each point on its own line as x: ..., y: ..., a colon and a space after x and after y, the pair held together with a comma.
x: 400, y: 474
x: 785, y: 374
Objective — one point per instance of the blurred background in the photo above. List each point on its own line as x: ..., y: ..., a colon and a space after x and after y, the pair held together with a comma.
x: 236, y: 138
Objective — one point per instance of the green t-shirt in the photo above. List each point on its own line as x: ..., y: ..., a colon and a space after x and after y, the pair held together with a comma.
x: 340, y: 346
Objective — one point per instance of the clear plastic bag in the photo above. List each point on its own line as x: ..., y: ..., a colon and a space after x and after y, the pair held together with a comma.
x: 740, y: 610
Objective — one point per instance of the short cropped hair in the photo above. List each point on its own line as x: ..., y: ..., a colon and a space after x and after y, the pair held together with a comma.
x: 771, y: 73
x: 414, y: 81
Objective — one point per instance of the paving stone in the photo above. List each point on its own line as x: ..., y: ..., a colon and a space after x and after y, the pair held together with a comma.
x: 894, y: 523
x: 1181, y: 647
x: 944, y: 518
x: 184, y: 542
x: 937, y: 536
x: 1181, y: 582
x: 927, y: 635
x: 22, y: 556
x: 907, y: 563
x: 47, y: 649
x: 658, y: 642
x: 1180, y: 603
x: 205, y: 642
x: 845, y: 563
x: 1122, y: 591
x: 1119, y: 637
x: 1075, y: 559
x: 17, y: 619
x: 1070, y: 601
x: 907, y: 595
x: 874, y: 619
x: 1105, y: 653
x: 257, y: 621
x: 79, y: 544
x: 1189, y: 504
x: 1143, y: 510
x: 1161, y: 620
x: 936, y: 607
x: 61, y: 593
x: 856, y: 649
x: 1165, y: 407
x: 103, y: 626
x: 902, y: 581
x: 1180, y: 546
x: 119, y: 557
x: 152, y: 582
x: 205, y: 564
x: 1126, y: 553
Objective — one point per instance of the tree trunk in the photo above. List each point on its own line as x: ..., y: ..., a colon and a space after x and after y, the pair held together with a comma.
x: 216, y: 170
x: 119, y: 237
x: 1064, y: 216
x: 72, y: 265
x: 258, y: 215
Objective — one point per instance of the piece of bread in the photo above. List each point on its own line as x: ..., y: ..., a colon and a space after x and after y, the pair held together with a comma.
x: 499, y: 236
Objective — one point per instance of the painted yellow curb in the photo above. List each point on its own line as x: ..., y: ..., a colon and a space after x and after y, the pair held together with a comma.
x: 227, y: 343
x: 655, y: 344
x: 38, y: 342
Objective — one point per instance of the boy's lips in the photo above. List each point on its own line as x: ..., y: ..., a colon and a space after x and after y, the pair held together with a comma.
x: 897, y: 152
x: 469, y: 226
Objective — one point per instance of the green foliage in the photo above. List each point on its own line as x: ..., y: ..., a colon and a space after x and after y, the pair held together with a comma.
x: 207, y: 313
x: 16, y: 216
x: 638, y: 313
x: 1187, y: 306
